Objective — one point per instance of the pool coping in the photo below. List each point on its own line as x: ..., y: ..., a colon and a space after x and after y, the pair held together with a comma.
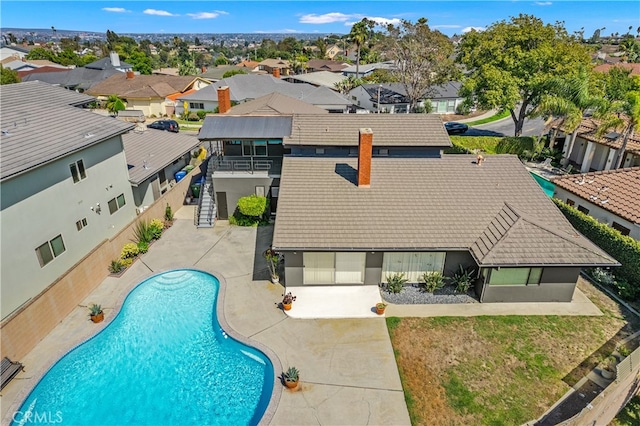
x: 276, y: 394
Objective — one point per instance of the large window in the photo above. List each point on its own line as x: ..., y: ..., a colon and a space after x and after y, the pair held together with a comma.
x: 196, y: 105
x: 116, y: 204
x: 515, y: 276
x: 77, y: 171
x: 333, y: 268
x: 50, y: 250
x: 412, y: 264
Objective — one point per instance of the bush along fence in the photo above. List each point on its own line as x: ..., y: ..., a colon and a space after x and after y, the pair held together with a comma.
x: 144, y: 234
x: 624, y: 249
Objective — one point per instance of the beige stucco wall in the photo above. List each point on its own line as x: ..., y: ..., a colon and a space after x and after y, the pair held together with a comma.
x: 43, y: 203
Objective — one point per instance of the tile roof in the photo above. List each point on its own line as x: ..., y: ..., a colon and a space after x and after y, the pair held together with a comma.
x: 141, y: 86
x: 388, y: 130
x: 443, y: 203
x: 105, y: 64
x: 396, y: 93
x: 217, y: 127
x: 587, y: 130
x: 77, y: 78
x: 275, y: 63
x: 326, y: 65
x: 617, y: 191
x: 150, y: 151
x: 634, y: 68
x: 275, y: 104
x: 41, y: 123
x: 319, y: 78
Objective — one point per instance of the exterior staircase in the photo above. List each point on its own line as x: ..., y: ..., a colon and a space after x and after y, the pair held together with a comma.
x: 207, y: 211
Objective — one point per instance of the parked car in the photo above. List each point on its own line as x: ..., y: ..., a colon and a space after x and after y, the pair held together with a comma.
x: 168, y: 125
x: 454, y: 128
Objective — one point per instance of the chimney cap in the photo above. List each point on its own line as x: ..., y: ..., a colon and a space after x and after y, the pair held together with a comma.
x: 366, y: 130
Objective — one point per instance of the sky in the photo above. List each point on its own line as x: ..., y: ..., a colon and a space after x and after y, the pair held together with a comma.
x: 269, y: 16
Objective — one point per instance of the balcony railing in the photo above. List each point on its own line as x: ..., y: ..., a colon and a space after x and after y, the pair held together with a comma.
x: 251, y: 165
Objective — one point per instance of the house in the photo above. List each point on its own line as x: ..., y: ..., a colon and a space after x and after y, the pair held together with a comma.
x: 77, y: 79
x: 246, y: 87
x: 215, y: 74
x: 43, y: 69
x: 362, y: 197
x: 269, y: 65
x: 314, y: 65
x: 367, y: 69
x: 334, y: 51
x: 146, y: 92
x: 632, y: 67
x: 17, y: 52
x: 392, y: 98
x: 64, y: 186
x: 112, y: 62
x: 611, y: 197
x: 318, y: 78
x: 274, y: 104
x: 153, y: 157
x: 590, y: 152
x: 249, y: 64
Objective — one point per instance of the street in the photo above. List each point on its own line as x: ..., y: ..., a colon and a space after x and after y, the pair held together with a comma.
x: 505, y: 127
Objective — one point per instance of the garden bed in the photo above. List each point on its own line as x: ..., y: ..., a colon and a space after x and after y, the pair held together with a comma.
x: 413, y: 295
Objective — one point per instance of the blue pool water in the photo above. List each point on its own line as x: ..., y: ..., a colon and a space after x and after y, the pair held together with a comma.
x: 547, y: 186
x: 162, y: 361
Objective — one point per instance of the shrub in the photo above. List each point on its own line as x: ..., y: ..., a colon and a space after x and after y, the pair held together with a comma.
x: 129, y: 251
x: 156, y: 226
x: 395, y: 282
x: 116, y: 266
x: 253, y: 205
x: 143, y: 247
x: 432, y: 281
x: 142, y: 232
x: 193, y: 116
x: 624, y: 249
x: 203, y: 114
x: 168, y: 213
x: 462, y: 280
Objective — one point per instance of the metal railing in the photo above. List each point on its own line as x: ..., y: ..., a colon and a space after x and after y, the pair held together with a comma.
x: 270, y: 165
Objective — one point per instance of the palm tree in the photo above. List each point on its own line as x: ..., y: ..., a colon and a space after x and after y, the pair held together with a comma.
x: 114, y: 104
x: 359, y: 35
x: 566, y: 102
x: 620, y: 115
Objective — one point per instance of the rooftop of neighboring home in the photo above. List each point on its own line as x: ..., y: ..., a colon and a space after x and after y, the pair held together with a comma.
x: 246, y: 87
x: 613, y: 139
x: 221, y: 127
x: 634, y: 68
x: 494, y: 210
x: 319, y: 78
x: 76, y: 79
x: 275, y: 63
x: 166, y: 71
x: 151, y: 150
x: 275, y: 104
x: 110, y: 62
x: 617, y: 191
x: 417, y: 130
x: 141, y: 86
x: 34, y: 118
x: 326, y: 65
x: 41, y: 70
x: 396, y: 93
x: 368, y: 68
x: 248, y: 64
x: 216, y: 73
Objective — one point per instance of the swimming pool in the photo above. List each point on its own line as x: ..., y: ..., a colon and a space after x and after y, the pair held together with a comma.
x: 162, y: 360
x: 547, y: 186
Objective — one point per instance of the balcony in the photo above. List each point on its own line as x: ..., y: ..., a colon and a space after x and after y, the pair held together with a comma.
x: 266, y: 166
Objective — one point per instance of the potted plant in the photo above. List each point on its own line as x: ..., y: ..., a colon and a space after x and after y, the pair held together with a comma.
x: 96, y: 314
x: 380, y: 307
x: 273, y: 259
x: 287, y: 301
x: 291, y: 377
x: 608, y: 370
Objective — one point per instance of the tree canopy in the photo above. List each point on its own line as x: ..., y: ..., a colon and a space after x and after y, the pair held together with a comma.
x: 510, y: 64
x: 8, y: 76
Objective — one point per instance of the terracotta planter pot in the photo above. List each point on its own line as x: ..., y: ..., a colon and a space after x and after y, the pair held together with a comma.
x: 380, y: 311
x: 291, y: 384
x: 97, y: 318
x: 287, y: 306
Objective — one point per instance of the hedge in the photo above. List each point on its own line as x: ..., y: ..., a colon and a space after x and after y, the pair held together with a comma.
x: 624, y: 249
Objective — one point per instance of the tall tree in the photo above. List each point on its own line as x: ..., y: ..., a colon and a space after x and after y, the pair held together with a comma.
x: 422, y: 57
x: 187, y: 67
x: 360, y: 33
x: 622, y: 115
x: 510, y: 64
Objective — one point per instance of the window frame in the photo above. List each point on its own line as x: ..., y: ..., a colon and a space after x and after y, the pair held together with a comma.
x: 534, y: 276
x: 78, y: 171
x: 115, y: 204
x: 54, y: 248
x: 81, y: 224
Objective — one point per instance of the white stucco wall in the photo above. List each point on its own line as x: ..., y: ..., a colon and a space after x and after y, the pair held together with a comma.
x: 43, y: 203
x: 597, y: 212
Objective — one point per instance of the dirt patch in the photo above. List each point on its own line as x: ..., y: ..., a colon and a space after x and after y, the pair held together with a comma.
x: 573, y: 404
x: 457, y: 117
x: 507, y: 369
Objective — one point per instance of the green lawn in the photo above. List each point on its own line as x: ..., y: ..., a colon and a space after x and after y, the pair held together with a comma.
x: 630, y: 414
x: 491, y: 144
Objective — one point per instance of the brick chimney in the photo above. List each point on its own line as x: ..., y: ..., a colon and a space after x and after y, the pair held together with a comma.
x: 224, y: 99
x: 276, y: 72
x: 364, y: 157
x: 130, y: 75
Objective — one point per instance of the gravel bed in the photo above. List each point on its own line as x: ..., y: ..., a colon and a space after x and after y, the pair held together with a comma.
x: 413, y: 295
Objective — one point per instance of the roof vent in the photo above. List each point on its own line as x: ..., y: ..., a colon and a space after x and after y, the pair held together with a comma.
x: 88, y: 135
x: 612, y: 135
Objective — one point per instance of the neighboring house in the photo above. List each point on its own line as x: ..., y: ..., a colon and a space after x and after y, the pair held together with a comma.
x: 392, y: 98
x: 13, y: 51
x: 367, y: 69
x: 249, y: 65
x: 611, y: 197
x: 362, y: 197
x: 153, y: 157
x: 64, y: 186
x: 22, y: 65
x: 275, y: 104
x: 166, y: 71
x: 319, y: 78
x: 592, y: 153
x: 146, y: 92
x: 334, y: 51
x: 634, y: 68
x: 269, y: 65
x: 43, y: 69
x: 314, y: 65
x: 77, y: 79
x: 245, y: 87
x: 112, y: 62
x: 215, y: 74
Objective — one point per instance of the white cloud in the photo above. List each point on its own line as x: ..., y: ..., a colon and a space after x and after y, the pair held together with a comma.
x: 327, y: 18
x: 115, y: 9
x: 157, y: 12
x: 204, y: 15
x: 467, y: 29
x: 543, y: 3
